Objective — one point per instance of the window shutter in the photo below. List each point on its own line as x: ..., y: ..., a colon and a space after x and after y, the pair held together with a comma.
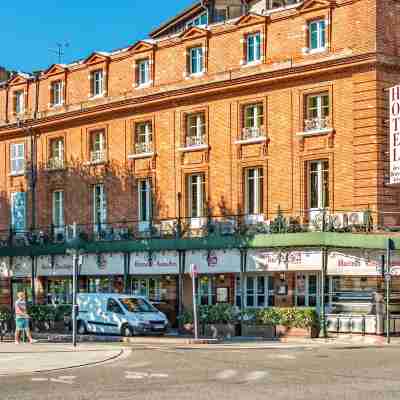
x: 314, y: 35
x: 245, y: 46
x: 15, y: 102
x: 52, y: 97
x: 258, y: 46
x: 91, y: 82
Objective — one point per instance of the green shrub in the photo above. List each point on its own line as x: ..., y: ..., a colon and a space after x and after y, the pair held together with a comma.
x: 5, y: 314
x: 42, y: 313
x: 217, y: 314
x: 62, y: 310
x: 186, y: 317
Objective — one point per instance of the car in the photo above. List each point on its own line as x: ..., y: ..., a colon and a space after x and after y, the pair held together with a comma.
x: 118, y: 314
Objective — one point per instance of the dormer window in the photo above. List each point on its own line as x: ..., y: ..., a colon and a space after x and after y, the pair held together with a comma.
x: 143, y: 71
x: 19, y: 99
x: 56, y: 98
x: 196, y: 60
x: 200, y: 20
x: 97, y: 83
x: 317, y: 35
x: 253, y: 42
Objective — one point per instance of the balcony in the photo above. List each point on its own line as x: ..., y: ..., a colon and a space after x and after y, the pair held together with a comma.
x: 97, y: 156
x: 252, y: 135
x: 198, y: 140
x: 316, y: 124
x: 55, y: 163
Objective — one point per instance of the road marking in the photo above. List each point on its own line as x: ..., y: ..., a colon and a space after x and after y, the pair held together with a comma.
x: 67, y: 379
x: 256, y: 375
x: 144, y: 375
x: 39, y: 379
x: 226, y: 374
x: 284, y: 356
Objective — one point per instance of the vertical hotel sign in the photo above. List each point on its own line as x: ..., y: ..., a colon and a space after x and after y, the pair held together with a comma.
x: 395, y: 135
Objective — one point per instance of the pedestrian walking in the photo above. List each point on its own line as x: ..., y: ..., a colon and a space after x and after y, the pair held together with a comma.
x: 22, y: 319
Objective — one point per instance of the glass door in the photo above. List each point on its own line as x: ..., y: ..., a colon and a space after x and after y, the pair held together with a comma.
x: 306, y: 290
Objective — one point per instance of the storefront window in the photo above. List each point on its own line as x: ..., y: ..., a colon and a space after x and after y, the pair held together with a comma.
x: 206, y: 290
x: 306, y: 290
x: 258, y: 291
x: 59, y: 291
x: 23, y: 285
x: 100, y: 285
x: 152, y: 288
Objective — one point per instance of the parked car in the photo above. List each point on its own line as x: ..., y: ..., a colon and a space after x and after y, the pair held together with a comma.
x: 125, y: 315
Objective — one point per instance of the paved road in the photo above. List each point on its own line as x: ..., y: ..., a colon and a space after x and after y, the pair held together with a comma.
x: 167, y: 373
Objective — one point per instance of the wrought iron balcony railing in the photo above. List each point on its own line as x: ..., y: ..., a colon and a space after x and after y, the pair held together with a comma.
x: 98, y: 156
x: 316, y: 124
x: 143, y: 148
x: 55, y: 163
x: 253, y: 133
x: 195, y: 140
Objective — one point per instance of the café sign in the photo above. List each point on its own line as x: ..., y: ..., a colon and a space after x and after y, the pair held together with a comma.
x: 155, y: 263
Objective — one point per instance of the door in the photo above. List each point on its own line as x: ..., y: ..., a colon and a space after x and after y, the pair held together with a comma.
x: 113, y: 316
x: 307, y: 290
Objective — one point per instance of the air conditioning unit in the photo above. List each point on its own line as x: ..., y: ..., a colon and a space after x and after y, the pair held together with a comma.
x: 356, y: 218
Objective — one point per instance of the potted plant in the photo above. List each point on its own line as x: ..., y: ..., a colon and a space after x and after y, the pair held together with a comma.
x: 299, y: 322
x: 187, y: 321
x: 218, y: 320
x: 5, y: 321
x: 260, y: 322
x: 43, y: 317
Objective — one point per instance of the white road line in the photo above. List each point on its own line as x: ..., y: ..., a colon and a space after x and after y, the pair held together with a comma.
x: 144, y: 375
x: 226, y: 374
x: 61, y: 381
x: 255, y: 375
x: 39, y: 379
x: 283, y: 356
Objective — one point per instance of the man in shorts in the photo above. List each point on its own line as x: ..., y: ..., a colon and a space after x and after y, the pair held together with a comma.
x: 22, y: 318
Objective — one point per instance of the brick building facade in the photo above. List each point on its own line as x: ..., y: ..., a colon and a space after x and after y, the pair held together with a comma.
x: 230, y: 108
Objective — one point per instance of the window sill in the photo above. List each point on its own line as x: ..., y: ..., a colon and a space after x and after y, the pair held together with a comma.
x: 143, y: 85
x: 308, y: 51
x: 96, y: 162
x: 251, y: 63
x: 14, y: 174
x: 194, y: 148
x: 97, y: 96
x: 196, y: 75
x: 317, y: 132
x: 141, y: 155
x: 252, y: 140
x: 55, y: 106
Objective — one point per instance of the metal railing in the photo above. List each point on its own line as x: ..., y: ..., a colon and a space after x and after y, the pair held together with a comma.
x: 253, y: 133
x: 206, y: 226
x: 97, y: 156
x: 316, y: 124
x: 195, y: 140
x: 142, y: 148
x: 55, y: 163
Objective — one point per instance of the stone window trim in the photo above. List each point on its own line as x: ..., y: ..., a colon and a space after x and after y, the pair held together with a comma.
x: 241, y: 107
x: 148, y: 55
x: 306, y: 50
x: 24, y: 92
x: 184, y: 127
x: 203, y: 43
x: 89, y: 137
x: 305, y: 162
x: 91, y: 71
x: 19, y: 172
x: 131, y: 139
x: 51, y: 95
x: 303, y: 96
x: 244, y: 62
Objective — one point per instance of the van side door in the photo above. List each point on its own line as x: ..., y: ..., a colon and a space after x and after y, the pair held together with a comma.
x: 113, y: 316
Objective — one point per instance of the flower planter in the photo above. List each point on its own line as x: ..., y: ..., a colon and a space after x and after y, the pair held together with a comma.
x: 264, y: 331
x: 220, y: 330
x: 285, y: 331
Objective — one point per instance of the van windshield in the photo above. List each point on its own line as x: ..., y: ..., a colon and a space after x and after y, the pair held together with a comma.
x: 137, y: 305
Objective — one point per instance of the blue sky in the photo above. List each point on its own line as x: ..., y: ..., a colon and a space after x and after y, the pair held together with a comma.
x: 29, y: 31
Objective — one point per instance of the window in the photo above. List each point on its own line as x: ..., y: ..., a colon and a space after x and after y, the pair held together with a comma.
x: 317, y: 112
x: 56, y: 95
x: 258, y: 291
x: 318, y: 184
x: 196, y: 60
x: 201, y: 19
x: 254, y: 187
x: 17, y: 158
x: 97, y: 83
x: 56, y: 160
x: 220, y: 14
x: 253, y: 121
x: 195, y: 130
x: 195, y: 195
x: 114, y: 307
x: 97, y: 147
x: 144, y: 137
x: 19, y: 102
x: 144, y: 200
x: 58, y: 209
x: 99, y: 206
x: 306, y: 290
x: 18, y: 211
x: 317, y: 35
x: 253, y: 42
x: 206, y: 291
x: 143, y: 68
x: 148, y: 287
x: 100, y: 285
x: 59, y: 291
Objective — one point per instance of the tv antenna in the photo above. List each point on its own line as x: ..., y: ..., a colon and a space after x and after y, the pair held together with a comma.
x: 60, y: 51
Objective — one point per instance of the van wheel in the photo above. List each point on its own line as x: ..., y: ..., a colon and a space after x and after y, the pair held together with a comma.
x: 82, y: 328
x: 127, y: 331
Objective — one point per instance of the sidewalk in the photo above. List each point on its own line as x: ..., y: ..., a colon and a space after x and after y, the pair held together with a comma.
x: 27, y: 358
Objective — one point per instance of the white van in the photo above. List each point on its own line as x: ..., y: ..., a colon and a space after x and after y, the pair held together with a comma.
x: 119, y: 314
